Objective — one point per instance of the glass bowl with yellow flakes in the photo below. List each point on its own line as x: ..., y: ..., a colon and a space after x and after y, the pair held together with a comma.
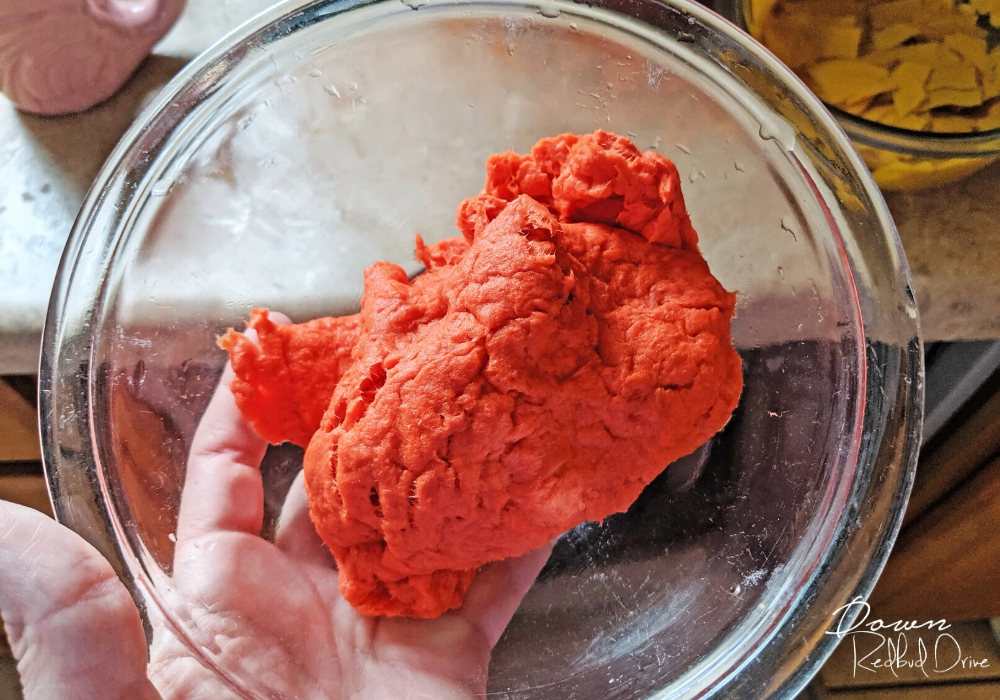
x: 915, y: 83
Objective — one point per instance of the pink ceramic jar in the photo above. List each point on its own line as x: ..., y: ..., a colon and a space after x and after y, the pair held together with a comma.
x: 61, y: 56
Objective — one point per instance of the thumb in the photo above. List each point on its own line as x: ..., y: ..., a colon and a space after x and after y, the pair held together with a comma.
x: 73, y: 627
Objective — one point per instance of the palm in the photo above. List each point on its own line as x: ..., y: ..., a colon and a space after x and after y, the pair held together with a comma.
x: 324, y: 648
x: 269, y: 613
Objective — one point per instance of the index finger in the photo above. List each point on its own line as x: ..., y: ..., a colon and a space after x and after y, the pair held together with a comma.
x: 497, y: 591
x: 223, y: 489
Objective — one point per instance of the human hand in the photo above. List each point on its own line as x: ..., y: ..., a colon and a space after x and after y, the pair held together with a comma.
x: 71, y: 624
x: 273, y: 611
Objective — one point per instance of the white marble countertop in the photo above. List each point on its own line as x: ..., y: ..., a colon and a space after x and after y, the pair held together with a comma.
x: 48, y: 163
x: 951, y: 235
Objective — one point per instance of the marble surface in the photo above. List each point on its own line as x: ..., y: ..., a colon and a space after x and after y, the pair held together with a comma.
x: 48, y: 163
x: 951, y: 235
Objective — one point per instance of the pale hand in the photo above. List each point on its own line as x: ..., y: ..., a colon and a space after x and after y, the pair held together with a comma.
x: 271, y: 611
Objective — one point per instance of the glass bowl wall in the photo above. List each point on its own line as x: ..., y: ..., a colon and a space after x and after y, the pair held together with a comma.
x: 323, y: 136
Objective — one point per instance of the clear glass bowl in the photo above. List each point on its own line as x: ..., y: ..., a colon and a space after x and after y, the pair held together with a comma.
x: 901, y: 159
x: 322, y: 136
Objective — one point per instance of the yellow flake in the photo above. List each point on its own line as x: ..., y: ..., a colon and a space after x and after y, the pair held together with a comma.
x: 954, y: 98
x: 950, y: 22
x: 857, y: 106
x: 992, y: 120
x: 970, y: 48
x: 980, y: 6
x: 792, y: 37
x: 799, y: 39
x: 938, y: 5
x: 933, y: 55
x: 827, y: 9
x: 953, y: 124
x: 883, y: 114
x: 756, y: 14
x: 907, y: 99
x: 886, y: 59
x: 956, y: 76
x: 842, y: 81
x: 908, y: 79
x: 914, y: 122
x: 986, y: 7
x: 887, y: 114
x: 907, y: 73
x: 793, y: 51
x: 886, y: 14
x: 839, y: 41
x: 991, y: 83
x: 893, y: 36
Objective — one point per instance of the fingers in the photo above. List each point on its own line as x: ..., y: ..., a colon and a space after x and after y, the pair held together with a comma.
x: 223, y: 490
x: 497, y: 590
x: 72, y: 625
x: 296, y: 535
x: 278, y: 318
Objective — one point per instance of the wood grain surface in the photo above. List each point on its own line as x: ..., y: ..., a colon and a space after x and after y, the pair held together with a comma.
x: 18, y: 427
x: 960, y: 455
x: 945, y: 564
